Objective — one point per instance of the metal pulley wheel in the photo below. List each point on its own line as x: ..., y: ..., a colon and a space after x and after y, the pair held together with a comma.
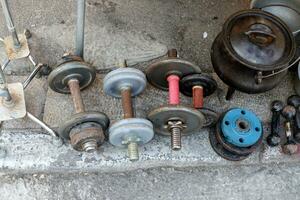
x: 238, y: 133
x: 251, y: 50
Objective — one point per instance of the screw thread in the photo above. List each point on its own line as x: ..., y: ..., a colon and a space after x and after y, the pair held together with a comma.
x: 133, y: 152
x: 176, y: 138
x: 90, y: 146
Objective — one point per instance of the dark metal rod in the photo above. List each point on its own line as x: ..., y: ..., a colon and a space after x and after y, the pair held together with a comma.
x: 80, y: 22
x: 10, y: 23
x: 33, y: 73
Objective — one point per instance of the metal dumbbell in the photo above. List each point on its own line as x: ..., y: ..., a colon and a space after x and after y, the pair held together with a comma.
x: 85, y: 129
x: 290, y: 147
x: 274, y: 138
x: 198, y: 86
x: 130, y: 132
x: 238, y: 133
x: 294, y: 100
x: 173, y: 120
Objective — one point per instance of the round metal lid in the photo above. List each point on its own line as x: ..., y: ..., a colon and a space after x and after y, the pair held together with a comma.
x: 288, y: 11
x: 258, y: 40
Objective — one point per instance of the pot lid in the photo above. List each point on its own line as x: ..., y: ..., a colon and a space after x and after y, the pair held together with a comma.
x: 258, y: 40
x: 287, y: 10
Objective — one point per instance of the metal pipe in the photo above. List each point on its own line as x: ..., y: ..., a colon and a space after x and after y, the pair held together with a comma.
x: 127, y: 103
x: 32, y: 75
x: 42, y: 124
x: 10, y: 23
x: 80, y: 28
x: 76, y: 96
x: 3, y: 83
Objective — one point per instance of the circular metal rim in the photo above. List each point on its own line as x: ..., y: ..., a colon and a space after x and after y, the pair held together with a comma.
x: 221, y: 151
x: 64, y: 68
x: 257, y: 67
x: 80, y: 118
x: 209, y: 112
x: 124, y: 77
x: 220, y: 68
x: 207, y: 91
x: 177, y: 111
x: 139, y: 124
x: 181, y: 71
x: 231, y: 148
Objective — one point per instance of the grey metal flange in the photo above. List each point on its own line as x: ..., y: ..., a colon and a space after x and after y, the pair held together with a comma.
x: 122, y: 78
x: 132, y: 130
x: 79, y: 70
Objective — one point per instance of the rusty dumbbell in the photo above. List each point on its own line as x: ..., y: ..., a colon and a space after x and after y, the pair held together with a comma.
x: 85, y: 129
x: 174, y: 119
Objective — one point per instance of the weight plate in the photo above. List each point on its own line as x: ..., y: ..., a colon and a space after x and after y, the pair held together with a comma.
x: 241, y: 127
x: 188, y: 82
x: 191, y: 118
x: 59, y: 77
x: 232, y: 148
x: 134, y: 129
x: 80, y: 118
x: 221, y: 151
x: 158, y: 72
x: 118, y: 79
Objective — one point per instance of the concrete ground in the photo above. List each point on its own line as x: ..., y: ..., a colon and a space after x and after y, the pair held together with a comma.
x: 34, y: 166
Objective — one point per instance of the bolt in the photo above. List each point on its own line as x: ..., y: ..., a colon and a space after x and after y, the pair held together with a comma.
x: 175, y: 127
x: 274, y: 139
x: 198, y: 96
x: 133, y: 152
x: 27, y: 33
x: 90, y: 146
x: 132, y: 145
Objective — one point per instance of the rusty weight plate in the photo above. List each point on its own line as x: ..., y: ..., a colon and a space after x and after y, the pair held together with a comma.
x: 59, y: 77
x: 158, y: 72
x: 191, y: 118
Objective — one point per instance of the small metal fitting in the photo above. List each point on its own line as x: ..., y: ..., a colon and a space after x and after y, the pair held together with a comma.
x: 175, y: 127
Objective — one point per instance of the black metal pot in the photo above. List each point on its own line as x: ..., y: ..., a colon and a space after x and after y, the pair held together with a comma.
x: 253, y: 47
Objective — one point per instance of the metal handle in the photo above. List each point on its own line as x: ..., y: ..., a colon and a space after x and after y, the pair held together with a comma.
x: 80, y: 28
x: 10, y: 23
x: 261, y: 35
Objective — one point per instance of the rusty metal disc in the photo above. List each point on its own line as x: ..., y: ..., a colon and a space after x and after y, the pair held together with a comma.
x: 158, y: 72
x: 221, y: 151
x: 81, y: 118
x: 59, y: 77
x: 244, y: 151
x: 191, y: 118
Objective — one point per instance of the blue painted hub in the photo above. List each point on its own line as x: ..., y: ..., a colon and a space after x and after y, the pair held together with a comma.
x: 241, y: 127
